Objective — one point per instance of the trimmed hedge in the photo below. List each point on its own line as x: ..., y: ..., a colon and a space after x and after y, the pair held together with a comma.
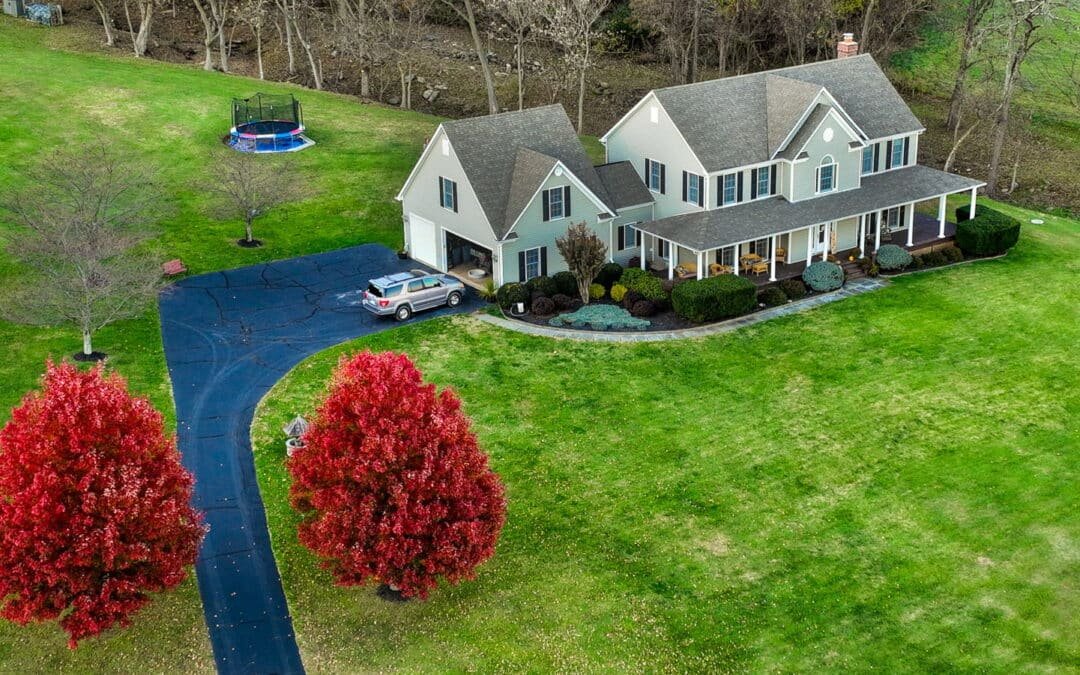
x: 543, y: 307
x: 714, y: 298
x: 953, y: 254
x: 609, y: 274
x: 565, y: 283
x: 772, y: 296
x: 893, y: 257
x: 794, y: 289
x: 963, y: 210
x: 543, y: 285
x: 511, y: 293
x: 649, y: 286
x: 823, y: 276
x: 990, y: 233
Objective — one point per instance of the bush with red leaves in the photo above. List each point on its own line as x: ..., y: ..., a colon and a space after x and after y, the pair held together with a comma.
x: 391, y: 484
x: 95, y: 508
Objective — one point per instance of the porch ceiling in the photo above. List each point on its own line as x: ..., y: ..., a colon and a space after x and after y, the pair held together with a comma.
x: 715, y: 228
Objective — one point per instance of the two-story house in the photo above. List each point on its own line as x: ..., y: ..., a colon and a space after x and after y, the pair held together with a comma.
x: 787, y: 166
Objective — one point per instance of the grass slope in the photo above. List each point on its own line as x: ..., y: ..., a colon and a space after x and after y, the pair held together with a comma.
x: 889, y: 482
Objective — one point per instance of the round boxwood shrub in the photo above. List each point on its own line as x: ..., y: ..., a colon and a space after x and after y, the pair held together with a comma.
x: 643, y: 308
x: 641, y: 281
x: 596, y: 292
x: 934, y: 258
x: 952, y: 254
x: 562, y: 300
x: 609, y: 274
x: 543, y: 307
x: 892, y: 257
x: 917, y: 262
x: 617, y: 292
x: 511, y: 293
x: 565, y: 283
x: 714, y: 298
x: 630, y: 298
x: 824, y: 276
x: 989, y: 233
x: 772, y: 296
x: 794, y: 289
x: 543, y: 285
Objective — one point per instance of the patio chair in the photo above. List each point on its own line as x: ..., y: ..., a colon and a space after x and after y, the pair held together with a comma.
x: 686, y: 270
x: 716, y: 269
x: 760, y: 267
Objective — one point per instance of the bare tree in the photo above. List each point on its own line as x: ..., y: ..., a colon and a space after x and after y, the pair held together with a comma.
x: 407, y: 17
x: 254, y: 14
x: 362, y: 29
x: 214, y: 15
x: 81, y: 221
x: 572, y: 23
x: 248, y: 186
x: 678, y: 22
x: 1024, y: 21
x: 306, y: 21
x: 146, y: 18
x: 974, y: 12
x: 520, y: 18
x: 106, y: 22
x: 584, y: 253
x: 464, y: 9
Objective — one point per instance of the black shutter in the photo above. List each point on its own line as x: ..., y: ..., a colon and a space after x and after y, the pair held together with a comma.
x: 700, y: 190
x: 543, y: 261
x: 622, y: 237
x: 753, y: 183
x: 453, y: 184
x: 441, y: 199
x: 684, y: 186
x: 906, y: 144
x: 648, y: 174
x: 547, y: 206
x: 720, y: 190
x: 888, y: 154
x: 521, y: 265
x: 877, y: 146
x: 663, y: 179
x: 738, y: 188
x: 772, y: 179
x: 566, y: 201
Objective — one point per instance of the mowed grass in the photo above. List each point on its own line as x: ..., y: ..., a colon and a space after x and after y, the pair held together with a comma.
x: 888, y: 482
x: 170, y: 119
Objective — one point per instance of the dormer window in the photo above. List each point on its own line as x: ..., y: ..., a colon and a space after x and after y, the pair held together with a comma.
x: 897, y: 158
x: 729, y: 191
x: 826, y: 174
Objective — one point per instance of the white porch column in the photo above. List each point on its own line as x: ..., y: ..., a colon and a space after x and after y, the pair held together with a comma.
x: 611, y: 241
x: 641, y: 237
x: 971, y: 209
x: 862, y: 235
x: 828, y: 239
x: 911, y: 224
x: 772, y: 258
x: 810, y: 232
x: 671, y: 252
x: 941, y: 217
x: 735, y: 259
x: 877, y: 233
x: 700, y: 265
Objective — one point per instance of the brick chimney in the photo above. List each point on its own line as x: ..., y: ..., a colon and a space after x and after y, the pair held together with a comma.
x: 847, y: 47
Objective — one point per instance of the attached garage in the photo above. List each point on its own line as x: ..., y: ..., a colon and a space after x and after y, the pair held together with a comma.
x: 424, y: 242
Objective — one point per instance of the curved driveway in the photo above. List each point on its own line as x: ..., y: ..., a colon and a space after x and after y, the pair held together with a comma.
x: 229, y: 336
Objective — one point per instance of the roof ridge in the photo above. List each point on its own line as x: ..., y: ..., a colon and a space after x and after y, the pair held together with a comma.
x: 503, y: 115
x: 771, y: 71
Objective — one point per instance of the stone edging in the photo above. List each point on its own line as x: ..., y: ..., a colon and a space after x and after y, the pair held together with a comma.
x: 856, y: 287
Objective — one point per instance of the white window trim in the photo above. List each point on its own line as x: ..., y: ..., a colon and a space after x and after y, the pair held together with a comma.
x: 659, y: 176
x: 627, y: 244
x: 835, y: 176
x: 862, y: 161
x: 562, y: 204
x: 539, y: 262
x: 442, y: 194
x: 768, y: 183
x: 735, y: 189
x: 699, y: 185
x: 895, y: 147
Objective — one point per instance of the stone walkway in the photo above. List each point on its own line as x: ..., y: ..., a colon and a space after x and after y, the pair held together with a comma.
x: 851, y: 288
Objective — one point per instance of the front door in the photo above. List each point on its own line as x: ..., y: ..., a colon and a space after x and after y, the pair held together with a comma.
x: 817, y: 239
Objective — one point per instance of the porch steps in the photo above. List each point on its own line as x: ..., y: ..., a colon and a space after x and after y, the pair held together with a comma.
x: 852, y: 270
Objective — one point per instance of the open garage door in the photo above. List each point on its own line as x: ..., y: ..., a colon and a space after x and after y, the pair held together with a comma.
x: 423, y: 242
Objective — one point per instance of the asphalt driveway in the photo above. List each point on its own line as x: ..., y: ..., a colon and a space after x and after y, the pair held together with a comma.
x: 229, y: 336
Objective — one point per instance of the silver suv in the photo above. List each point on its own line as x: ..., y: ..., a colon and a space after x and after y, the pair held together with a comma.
x: 407, y: 292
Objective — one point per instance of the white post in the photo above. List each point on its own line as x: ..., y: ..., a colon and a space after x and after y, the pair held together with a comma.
x: 735, y: 259
x: 810, y: 232
x: 642, y: 236
x: 772, y: 258
x: 877, y: 233
x: 941, y: 217
x: 671, y: 260
x: 911, y: 224
x: 971, y: 210
x: 828, y: 237
x: 701, y: 266
x: 611, y: 241
x: 862, y: 235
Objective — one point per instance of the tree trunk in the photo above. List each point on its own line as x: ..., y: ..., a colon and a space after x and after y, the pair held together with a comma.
x: 956, y: 146
x: 316, y: 68
x: 971, y: 24
x: 581, y: 99
x: 106, y: 22
x: 521, y: 69
x: 867, y: 21
x: 146, y: 11
x: 692, y: 75
x: 489, y: 84
x: 248, y: 234
x: 1001, y: 121
x: 208, y: 36
x: 365, y: 82
x: 221, y: 16
x: 87, y: 346
x: 258, y: 49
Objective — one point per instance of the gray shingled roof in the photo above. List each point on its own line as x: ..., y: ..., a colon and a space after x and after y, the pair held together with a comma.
x: 726, y: 121
x: 706, y: 230
x: 488, y: 148
x: 786, y: 100
x: 623, y: 185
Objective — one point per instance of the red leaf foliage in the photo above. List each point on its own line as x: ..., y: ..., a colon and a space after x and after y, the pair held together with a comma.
x: 392, y: 485
x: 94, y: 505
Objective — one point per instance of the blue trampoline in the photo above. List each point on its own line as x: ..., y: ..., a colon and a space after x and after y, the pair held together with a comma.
x: 265, y: 123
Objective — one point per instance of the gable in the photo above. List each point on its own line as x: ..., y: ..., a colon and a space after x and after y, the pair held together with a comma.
x: 821, y: 120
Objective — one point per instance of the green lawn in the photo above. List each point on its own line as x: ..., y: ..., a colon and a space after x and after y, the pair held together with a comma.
x: 888, y: 482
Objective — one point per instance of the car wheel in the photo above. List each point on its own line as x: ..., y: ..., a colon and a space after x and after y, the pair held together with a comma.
x: 453, y: 300
x: 403, y: 313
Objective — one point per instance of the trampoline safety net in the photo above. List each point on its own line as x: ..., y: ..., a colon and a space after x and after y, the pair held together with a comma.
x: 262, y: 107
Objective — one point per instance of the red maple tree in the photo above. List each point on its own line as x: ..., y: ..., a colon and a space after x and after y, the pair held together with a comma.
x: 95, y: 508
x: 391, y: 484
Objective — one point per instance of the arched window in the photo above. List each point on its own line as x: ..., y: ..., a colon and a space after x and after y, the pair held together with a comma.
x: 826, y: 174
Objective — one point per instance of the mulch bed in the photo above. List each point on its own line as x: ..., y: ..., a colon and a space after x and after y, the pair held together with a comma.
x: 667, y: 320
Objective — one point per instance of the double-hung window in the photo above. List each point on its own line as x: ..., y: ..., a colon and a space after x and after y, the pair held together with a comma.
x: 826, y: 178
x: 763, y: 181
x: 897, y: 158
x: 654, y: 175
x: 556, y: 203
x: 868, y: 160
x: 532, y: 263
x: 760, y: 247
x: 663, y: 248
x: 629, y: 237
x: 693, y: 189
x: 447, y: 193
x: 729, y: 191
x: 726, y: 256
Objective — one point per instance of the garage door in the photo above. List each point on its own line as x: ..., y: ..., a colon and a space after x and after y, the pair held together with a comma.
x: 425, y: 244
